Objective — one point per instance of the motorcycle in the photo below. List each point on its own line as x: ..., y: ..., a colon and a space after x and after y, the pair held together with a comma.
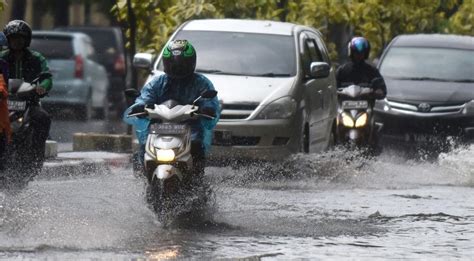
x: 21, y: 162
x: 168, y: 162
x: 355, y: 121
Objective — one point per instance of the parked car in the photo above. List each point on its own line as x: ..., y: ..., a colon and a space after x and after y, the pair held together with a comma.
x: 109, y: 45
x: 274, y: 81
x: 79, y: 81
x: 430, y: 85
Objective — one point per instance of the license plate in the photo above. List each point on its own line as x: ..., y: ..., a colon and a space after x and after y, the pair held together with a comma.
x: 16, y: 105
x: 355, y: 105
x: 168, y: 129
x: 222, y: 137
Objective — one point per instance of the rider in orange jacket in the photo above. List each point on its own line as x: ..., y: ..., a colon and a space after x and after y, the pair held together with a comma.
x: 5, y: 130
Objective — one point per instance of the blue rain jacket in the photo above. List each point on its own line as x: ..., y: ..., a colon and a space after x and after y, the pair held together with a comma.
x: 185, y: 91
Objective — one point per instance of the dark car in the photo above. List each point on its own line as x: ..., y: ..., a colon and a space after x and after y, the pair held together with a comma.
x: 430, y: 85
x: 109, y: 45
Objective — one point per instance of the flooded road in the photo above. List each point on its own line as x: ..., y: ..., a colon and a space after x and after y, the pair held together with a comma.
x: 315, y: 206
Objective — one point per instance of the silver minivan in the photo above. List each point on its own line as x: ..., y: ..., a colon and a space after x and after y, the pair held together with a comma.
x: 80, y: 82
x: 275, y: 83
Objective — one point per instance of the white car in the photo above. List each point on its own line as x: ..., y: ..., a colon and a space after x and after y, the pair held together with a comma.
x: 275, y: 82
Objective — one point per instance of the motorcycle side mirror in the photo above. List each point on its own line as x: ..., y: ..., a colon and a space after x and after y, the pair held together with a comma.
x: 209, y: 94
x: 131, y: 93
x: 42, y: 76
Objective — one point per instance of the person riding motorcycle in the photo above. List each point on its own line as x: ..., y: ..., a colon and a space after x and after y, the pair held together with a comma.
x: 27, y: 64
x: 5, y: 130
x: 180, y: 83
x: 358, y: 71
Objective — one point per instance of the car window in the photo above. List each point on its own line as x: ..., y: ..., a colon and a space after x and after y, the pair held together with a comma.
x: 311, y: 53
x: 323, y: 50
x: 435, y: 63
x: 53, y: 47
x: 242, y: 53
x: 90, y: 52
x: 314, y: 50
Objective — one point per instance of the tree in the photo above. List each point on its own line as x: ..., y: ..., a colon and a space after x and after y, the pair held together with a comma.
x: 61, y: 13
x: 462, y: 22
x: 377, y: 20
x: 18, y: 9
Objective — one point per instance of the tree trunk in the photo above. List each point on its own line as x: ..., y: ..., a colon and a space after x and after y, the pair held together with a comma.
x: 18, y: 9
x: 132, y: 25
x: 283, y: 4
x: 40, y: 9
x: 87, y: 12
x: 61, y: 13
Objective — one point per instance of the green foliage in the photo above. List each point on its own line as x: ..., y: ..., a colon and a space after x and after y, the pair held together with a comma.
x: 462, y: 22
x: 2, y: 5
x: 378, y: 20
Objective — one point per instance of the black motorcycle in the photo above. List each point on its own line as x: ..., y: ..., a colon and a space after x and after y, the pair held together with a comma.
x: 21, y: 161
x: 355, y: 121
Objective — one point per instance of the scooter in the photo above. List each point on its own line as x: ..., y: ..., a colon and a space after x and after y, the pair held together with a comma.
x: 21, y: 162
x: 167, y: 160
x: 355, y: 121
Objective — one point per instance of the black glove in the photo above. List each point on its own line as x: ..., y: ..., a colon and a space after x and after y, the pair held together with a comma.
x: 208, y: 111
x: 137, y: 109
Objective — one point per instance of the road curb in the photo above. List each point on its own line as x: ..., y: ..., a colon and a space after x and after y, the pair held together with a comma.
x: 51, y: 149
x: 70, y: 164
x: 120, y: 143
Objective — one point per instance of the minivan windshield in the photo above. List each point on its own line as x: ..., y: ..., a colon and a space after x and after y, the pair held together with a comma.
x: 437, y: 64
x: 249, y: 54
x: 53, y: 47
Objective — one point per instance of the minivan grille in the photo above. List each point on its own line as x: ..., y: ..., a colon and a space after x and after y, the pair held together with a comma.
x: 237, y: 111
x: 453, y: 108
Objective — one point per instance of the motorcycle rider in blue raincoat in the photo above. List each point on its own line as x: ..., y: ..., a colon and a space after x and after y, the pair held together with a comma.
x: 180, y: 83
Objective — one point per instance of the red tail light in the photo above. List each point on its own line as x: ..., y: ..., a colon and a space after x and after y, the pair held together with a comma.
x: 79, y: 69
x: 119, y: 64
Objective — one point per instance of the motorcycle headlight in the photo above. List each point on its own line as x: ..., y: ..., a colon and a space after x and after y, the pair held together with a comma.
x: 165, y: 155
x: 347, y: 120
x: 361, y: 120
x: 282, y: 108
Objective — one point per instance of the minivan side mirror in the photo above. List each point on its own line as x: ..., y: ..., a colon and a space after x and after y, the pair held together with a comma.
x: 319, y: 70
x: 143, y: 60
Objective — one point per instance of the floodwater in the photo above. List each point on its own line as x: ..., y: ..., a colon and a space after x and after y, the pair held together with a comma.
x: 328, y: 206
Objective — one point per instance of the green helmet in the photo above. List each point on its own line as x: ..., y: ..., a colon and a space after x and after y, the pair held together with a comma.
x: 179, y: 59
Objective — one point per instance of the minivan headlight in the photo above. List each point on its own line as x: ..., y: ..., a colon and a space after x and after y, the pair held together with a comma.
x: 469, y: 108
x: 282, y: 108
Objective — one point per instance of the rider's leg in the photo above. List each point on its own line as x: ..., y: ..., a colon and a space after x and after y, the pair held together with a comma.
x: 41, y: 123
x: 199, y: 161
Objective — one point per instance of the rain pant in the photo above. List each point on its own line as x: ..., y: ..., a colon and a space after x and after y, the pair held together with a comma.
x: 184, y: 91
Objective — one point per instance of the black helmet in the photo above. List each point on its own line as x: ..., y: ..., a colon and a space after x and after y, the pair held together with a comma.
x: 19, y: 27
x: 179, y: 59
x: 358, y: 49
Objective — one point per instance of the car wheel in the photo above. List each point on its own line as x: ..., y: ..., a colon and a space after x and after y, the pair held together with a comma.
x: 304, y: 139
x: 85, y: 111
x: 332, y: 137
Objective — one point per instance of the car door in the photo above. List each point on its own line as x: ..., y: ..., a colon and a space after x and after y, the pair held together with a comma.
x: 330, y: 92
x: 314, y: 92
x: 95, y: 74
